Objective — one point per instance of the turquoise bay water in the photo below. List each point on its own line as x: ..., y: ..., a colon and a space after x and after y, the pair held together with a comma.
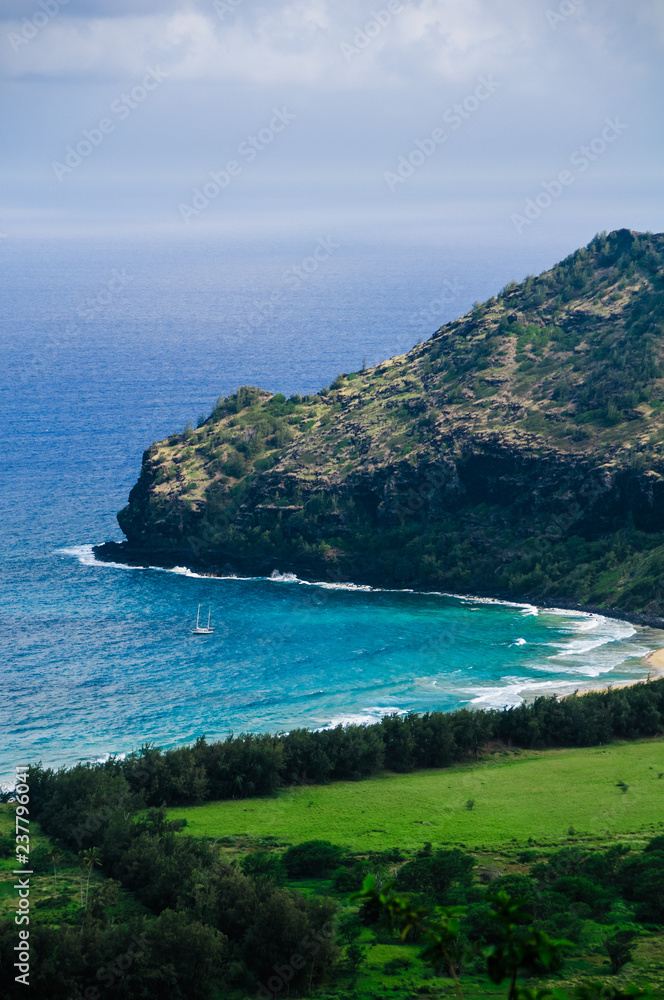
x: 98, y: 658
x: 104, y: 658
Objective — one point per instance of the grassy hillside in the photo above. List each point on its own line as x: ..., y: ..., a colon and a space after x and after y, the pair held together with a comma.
x: 528, y: 810
x: 516, y: 796
x: 519, y: 451
x: 213, y: 910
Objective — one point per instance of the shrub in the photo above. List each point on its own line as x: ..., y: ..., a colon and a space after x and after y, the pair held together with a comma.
x: 263, y: 865
x: 235, y: 466
x: 396, y: 965
x: 348, y: 879
x: 313, y: 859
x: 619, y: 948
x: 435, y: 875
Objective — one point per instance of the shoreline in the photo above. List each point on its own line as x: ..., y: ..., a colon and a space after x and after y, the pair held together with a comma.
x: 653, y: 661
x: 122, y: 555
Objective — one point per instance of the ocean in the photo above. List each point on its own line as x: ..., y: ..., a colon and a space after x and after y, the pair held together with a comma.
x: 110, y: 345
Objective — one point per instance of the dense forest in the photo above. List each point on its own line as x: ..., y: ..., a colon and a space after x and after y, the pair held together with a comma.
x: 203, y: 929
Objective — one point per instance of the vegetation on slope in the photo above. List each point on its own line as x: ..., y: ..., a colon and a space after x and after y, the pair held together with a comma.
x: 165, y: 915
x: 154, y: 913
x: 517, y: 452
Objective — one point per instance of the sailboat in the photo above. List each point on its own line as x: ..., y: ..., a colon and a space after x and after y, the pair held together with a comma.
x: 201, y: 629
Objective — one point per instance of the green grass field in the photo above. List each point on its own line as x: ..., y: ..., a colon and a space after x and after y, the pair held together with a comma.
x: 521, y: 800
x: 516, y: 796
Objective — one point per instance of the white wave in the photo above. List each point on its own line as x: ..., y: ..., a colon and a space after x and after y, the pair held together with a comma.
x: 86, y: 557
x: 515, y: 691
x: 530, y: 609
x: 572, y: 613
x: 591, y: 669
x: 183, y: 571
x: 587, y: 624
x: 589, y: 621
x: 519, y: 642
x: 578, y: 621
x: 579, y: 647
x: 602, y: 648
x: 277, y: 577
x: 284, y: 577
x: 365, y: 717
x: 612, y: 631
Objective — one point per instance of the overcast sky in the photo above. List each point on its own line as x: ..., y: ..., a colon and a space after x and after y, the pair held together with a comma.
x: 331, y: 111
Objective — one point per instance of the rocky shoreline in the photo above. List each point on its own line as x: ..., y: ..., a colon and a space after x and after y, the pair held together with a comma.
x: 120, y: 552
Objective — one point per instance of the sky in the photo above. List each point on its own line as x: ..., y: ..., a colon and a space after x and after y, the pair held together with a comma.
x: 493, y: 120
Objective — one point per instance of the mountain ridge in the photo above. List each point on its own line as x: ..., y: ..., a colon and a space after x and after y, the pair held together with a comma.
x: 517, y: 453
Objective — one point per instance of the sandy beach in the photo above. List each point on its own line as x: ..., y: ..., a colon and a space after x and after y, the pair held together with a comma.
x: 655, y: 664
x: 655, y: 661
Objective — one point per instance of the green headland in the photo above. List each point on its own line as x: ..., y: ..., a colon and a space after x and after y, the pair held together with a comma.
x: 516, y: 453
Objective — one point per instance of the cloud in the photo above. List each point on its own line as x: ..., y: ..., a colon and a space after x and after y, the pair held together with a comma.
x: 254, y: 42
x: 365, y: 86
x: 18, y: 9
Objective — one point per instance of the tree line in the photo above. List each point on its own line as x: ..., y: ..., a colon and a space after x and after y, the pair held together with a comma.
x: 249, y: 765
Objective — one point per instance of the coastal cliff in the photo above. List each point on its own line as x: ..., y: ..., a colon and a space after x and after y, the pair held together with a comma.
x: 517, y: 453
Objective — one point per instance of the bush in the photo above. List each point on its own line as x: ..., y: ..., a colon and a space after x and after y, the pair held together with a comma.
x: 642, y: 879
x: 313, y: 859
x: 263, y: 865
x: 396, y: 966
x: 578, y: 889
x: 657, y: 843
x: 619, y: 948
x: 435, y: 875
x: 234, y: 466
x: 347, y: 880
x: 7, y: 847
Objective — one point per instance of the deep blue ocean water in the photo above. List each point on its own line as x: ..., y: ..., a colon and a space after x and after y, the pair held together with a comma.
x: 107, y: 346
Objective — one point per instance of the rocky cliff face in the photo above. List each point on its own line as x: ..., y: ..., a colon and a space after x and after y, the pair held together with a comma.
x: 518, y: 452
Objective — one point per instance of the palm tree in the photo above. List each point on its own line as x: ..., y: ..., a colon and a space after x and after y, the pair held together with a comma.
x: 88, y: 859
x: 55, y: 857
